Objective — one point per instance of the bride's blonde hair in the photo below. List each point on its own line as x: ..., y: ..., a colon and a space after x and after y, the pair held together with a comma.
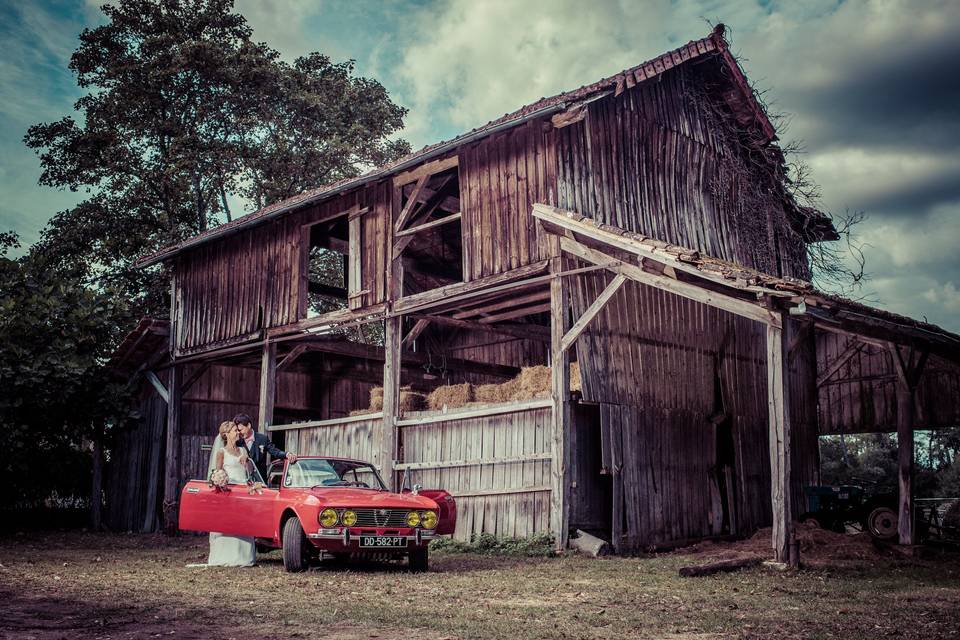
x: 225, y: 428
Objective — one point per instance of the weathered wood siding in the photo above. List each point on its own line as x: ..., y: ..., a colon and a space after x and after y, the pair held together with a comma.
x: 650, y: 161
x: 135, y: 469
x: 354, y: 439
x: 233, y: 288
x: 665, y: 371
x: 664, y: 368
x: 861, y: 397
x: 500, y: 179
x: 507, y: 499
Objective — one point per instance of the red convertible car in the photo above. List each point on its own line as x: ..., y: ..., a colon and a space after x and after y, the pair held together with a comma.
x: 320, y: 504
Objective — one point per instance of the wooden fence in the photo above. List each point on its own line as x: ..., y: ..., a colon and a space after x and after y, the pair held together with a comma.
x: 495, y: 459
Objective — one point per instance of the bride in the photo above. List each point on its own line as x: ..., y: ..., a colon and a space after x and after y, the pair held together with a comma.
x: 230, y: 551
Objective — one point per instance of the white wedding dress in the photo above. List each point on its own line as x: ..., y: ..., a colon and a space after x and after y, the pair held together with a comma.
x: 232, y: 551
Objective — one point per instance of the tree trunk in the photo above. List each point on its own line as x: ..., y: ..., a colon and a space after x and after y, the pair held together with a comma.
x: 96, y: 488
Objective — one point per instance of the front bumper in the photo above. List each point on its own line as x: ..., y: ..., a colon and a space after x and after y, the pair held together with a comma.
x: 349, y: 539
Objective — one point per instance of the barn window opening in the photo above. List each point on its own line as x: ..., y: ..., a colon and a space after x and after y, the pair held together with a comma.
x: 327, y: 267
x: 428, y: 233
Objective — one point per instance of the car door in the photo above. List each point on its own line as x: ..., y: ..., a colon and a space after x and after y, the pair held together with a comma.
x: 235, y: 511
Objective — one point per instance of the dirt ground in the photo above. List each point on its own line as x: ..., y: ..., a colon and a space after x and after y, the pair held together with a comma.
x: 112, y: 587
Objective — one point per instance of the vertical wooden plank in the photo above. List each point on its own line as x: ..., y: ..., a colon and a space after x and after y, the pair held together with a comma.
x: 171, y: 485
x: 560, y: 394
x: 778, y: 400
x: 354, y: 279
x: 268, y: 385
x: 391, y: 399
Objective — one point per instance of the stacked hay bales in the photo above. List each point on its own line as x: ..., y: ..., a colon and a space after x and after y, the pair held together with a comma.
x: 410, y: 400
x: 532, y: 383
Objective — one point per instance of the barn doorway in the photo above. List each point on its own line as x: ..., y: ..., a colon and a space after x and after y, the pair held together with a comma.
x: 591, y: 493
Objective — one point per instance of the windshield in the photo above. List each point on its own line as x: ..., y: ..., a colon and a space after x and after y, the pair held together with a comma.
x: 326, y: 472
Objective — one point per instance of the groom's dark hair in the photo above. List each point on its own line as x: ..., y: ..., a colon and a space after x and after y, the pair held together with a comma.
x: 242, y: 418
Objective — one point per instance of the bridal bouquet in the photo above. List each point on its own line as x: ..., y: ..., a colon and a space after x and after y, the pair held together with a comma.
x: 219, y: 479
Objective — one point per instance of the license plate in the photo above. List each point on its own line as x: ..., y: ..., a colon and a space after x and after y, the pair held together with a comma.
x: 382, y: 542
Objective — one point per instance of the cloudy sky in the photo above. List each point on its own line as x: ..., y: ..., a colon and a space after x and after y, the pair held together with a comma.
x: 871, y: 87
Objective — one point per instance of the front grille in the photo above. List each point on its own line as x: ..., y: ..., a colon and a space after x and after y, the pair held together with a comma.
x: 381, y: 517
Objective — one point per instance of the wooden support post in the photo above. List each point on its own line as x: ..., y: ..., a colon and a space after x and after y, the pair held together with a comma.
x: 778, y: 401
x: 171, y: 484
x: 905, y: 453
x: 268, y: 385
x: 391, y: 399
x: 908, y: 377
x: 560, y: 394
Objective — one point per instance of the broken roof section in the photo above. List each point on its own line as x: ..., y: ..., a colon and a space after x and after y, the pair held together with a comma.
x: 740, y: 98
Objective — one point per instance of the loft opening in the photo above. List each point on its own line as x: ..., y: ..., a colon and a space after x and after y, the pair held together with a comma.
x: 331, y: 264
x: 427, y: 233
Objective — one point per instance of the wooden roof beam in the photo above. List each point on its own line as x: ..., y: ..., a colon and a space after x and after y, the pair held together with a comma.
x: 500, y: 305
x: 520, y: 331
x: 751, y: 310
x: 516, y: 313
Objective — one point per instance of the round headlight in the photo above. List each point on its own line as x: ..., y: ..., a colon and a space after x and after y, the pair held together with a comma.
x: 413, y: 519
x: 348, y: 518
x: 429, y: 519
x: 328, y: 517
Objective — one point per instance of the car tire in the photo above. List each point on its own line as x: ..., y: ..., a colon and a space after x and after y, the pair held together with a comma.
x: 419, y: 560
x: 881, y: 523
x: 296, y: 548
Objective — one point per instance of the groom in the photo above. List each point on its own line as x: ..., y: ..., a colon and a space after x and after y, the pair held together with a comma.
x: 258, y: 445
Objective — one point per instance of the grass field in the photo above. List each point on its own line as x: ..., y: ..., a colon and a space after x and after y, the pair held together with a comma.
x: 81, y: 585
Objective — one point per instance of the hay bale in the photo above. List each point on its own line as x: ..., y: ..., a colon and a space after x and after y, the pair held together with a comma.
x: 450, y: 396
x: 533, y: 382
x: 412, y: 401
x: 575, y: 384
x: 376, y: 399
x: 492, y: 393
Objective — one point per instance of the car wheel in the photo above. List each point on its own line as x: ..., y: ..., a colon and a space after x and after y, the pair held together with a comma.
x: 882, y: 523
x: 296, y: 548
x: 419, y: 560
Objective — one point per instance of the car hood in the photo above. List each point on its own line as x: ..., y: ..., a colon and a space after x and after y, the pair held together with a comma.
x: 350, y: 497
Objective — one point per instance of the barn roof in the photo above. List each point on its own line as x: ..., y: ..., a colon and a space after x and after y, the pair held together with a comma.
x: 149, y: 339
x: 741, y: 99
x: 828, y: 311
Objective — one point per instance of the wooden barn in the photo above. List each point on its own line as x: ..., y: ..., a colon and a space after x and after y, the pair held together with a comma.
x: 639, y: 228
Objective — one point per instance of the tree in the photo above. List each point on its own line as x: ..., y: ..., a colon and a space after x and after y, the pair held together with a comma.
x: 55, y: 337
x: 184, y: 110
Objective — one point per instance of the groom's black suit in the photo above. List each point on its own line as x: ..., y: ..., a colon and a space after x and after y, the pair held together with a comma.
x: 259, y: 450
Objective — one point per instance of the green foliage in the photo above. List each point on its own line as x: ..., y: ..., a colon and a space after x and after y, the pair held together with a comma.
x: 539, y: 545
x: 183, y: 109
x: 870, y: 460
x: 55, y: 336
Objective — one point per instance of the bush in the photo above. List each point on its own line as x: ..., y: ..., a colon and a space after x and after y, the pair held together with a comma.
x: 539, y: 545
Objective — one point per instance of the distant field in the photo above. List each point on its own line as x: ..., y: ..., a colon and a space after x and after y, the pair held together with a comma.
x: 80, y: 585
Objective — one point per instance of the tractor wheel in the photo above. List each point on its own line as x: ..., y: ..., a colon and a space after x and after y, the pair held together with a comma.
x: 296, y: 548
x: 881, y: 523
x: 419, y: 560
